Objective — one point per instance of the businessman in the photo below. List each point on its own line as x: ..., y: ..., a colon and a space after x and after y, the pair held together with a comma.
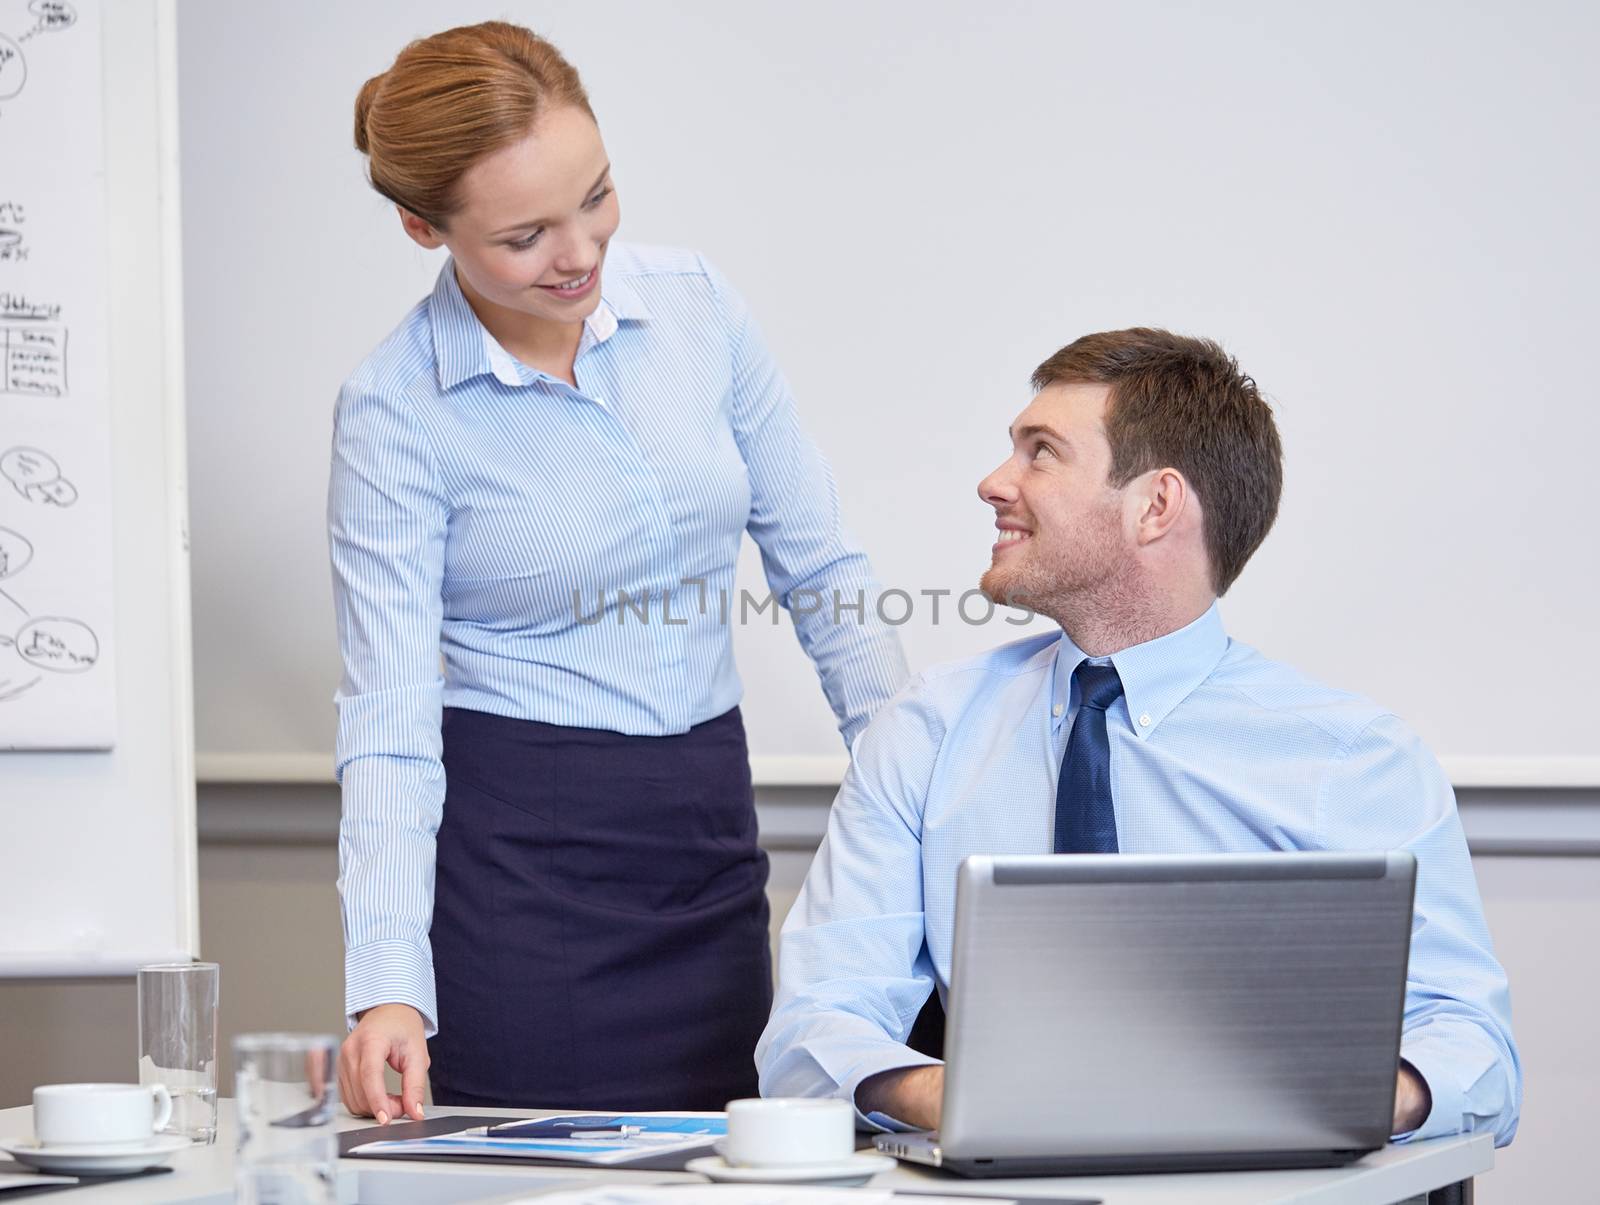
x: 1141, y: 478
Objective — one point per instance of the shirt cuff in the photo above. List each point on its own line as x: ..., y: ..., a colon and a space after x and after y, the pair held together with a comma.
x: 390, y: 972
x: 893, y: 1058
x: 1431, y: 1060
x: 883, y: 1121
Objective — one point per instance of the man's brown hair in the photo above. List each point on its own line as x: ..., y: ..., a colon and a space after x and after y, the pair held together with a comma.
x: 1182, y: 403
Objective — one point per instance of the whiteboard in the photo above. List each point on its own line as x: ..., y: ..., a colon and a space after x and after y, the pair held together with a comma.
x: 97, y: 863
x: 57, y: 662
x: 1386, y: 214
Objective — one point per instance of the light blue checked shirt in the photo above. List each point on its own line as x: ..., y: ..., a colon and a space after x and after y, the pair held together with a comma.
x: 1213, y: 749
x: 491, y: 513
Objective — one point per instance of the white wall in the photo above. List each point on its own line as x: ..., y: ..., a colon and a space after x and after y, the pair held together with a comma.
x: 1544, y: 913
x: 1385, y: 210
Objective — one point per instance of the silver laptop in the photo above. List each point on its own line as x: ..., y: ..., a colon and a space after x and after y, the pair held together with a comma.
x: 1127, y: 1012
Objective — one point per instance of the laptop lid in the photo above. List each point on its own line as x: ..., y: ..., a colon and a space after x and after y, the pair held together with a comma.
x: 1131, y: 1005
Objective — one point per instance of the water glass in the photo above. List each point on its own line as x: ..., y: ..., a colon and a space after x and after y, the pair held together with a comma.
x: 178, y: 1042
x: 288, y: 1151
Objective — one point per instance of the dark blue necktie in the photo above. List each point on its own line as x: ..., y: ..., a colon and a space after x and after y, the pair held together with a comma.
x: 1086, y: 821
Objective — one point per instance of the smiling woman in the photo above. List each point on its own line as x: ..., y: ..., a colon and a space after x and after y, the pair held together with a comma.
x: 529, y: 238
x: 548, y: 860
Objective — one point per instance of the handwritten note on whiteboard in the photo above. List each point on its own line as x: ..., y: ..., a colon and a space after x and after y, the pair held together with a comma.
x: 57, y: 688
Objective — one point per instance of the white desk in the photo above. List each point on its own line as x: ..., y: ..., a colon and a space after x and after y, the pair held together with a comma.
x: 204, y: 1176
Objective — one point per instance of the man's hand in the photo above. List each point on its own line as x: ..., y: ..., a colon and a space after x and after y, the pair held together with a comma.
x: 1412, y: 1100
x: 392, y: 1034
x: 913, y: 1095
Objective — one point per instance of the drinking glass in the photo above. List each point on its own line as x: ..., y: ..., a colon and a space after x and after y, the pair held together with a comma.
x: 288, y: 1153
x: 178, y: 1042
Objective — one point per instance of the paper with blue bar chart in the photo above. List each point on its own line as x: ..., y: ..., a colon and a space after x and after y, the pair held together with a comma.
x: 600, y: 1139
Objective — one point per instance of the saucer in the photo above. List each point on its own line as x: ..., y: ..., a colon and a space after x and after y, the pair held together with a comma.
x: 86, y: 1160
x: 848, y: 1173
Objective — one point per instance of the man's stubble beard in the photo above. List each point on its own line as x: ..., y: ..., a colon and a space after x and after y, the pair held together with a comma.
x: 1010, y: 588
x: 1097, y: 583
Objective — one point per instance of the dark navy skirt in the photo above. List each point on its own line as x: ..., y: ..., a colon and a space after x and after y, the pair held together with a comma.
x: 600, y: 917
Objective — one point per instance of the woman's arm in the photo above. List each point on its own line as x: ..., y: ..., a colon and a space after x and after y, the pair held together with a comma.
x: 386, y: 524
x: 817, y: 572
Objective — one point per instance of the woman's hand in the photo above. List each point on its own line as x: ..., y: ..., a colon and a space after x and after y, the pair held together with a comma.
x: 389, y: 1034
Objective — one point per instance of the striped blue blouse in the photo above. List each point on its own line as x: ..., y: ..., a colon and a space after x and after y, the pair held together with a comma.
x: 565, y: 550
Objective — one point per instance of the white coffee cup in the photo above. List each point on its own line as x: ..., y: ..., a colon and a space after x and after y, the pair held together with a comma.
x: 99, y: 1114
x: 788, y: 1132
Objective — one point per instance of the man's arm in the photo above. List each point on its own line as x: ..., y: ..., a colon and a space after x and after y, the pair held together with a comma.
x: 1412, y: 1100
x: 913, y: 1096
x: 1388, y: 792
x: 853, y: 970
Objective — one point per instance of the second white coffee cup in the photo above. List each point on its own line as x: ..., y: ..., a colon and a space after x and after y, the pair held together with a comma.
x: 99, y: 1114
x: 788, y: 1132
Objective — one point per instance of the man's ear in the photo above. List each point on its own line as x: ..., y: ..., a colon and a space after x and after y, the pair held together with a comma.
x: 1163, y: 499
x: 421, y: 231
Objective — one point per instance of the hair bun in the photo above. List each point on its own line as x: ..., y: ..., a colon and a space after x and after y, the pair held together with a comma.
x: 364, y: 98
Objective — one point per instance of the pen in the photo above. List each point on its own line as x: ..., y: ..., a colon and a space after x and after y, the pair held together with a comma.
x: 624, y: 1131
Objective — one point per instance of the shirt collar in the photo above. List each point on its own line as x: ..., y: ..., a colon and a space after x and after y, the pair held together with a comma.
x: 459, y: 348
x: 463, y: 348
x: 1156, y: 675
x: 501, y: 362
x: 620, y: 297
